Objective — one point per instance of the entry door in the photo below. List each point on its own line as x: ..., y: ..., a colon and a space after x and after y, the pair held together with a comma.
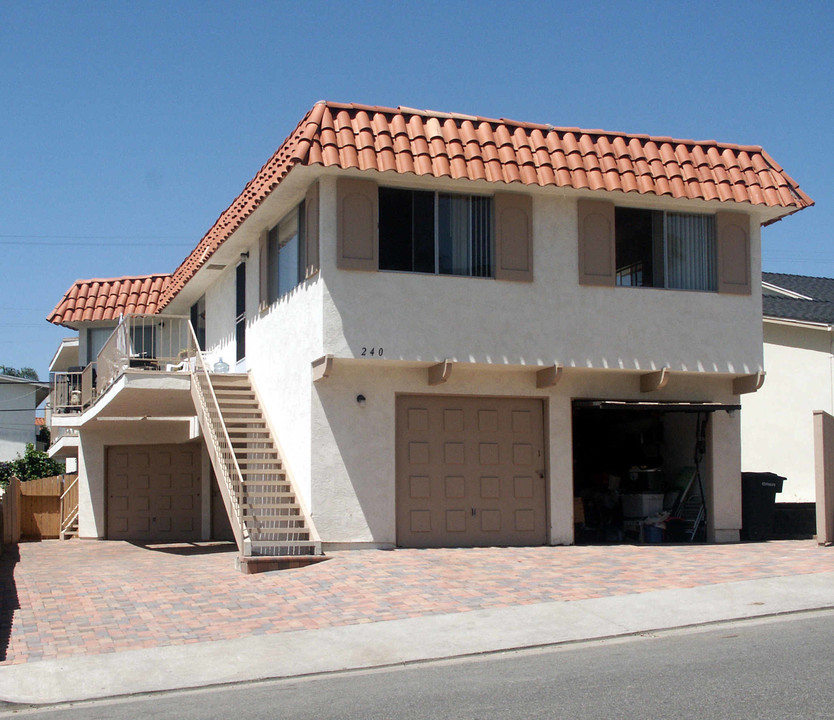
x: 240, y: 313
x: 470, y: 472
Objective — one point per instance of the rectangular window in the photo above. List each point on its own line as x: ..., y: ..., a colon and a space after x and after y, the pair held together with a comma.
x: 665, y: 250
x: 285, y: 254
x: 198, y: 321
x: 437, y: 233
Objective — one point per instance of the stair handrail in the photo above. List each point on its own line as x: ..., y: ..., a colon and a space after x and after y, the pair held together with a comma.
x: 198, y: 368
x: 69, y: 507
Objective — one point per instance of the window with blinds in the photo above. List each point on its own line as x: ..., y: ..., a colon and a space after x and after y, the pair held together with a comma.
x: 665, y: 250
x: 437, y: 233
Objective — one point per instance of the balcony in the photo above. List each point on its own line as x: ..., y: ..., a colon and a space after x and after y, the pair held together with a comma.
x: 141, y: 346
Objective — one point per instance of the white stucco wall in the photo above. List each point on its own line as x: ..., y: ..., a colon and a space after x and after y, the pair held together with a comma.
x: 92, y: 468
x: 553, y: 319
x: 354, y: 470
x: 777, y: 426
x: 282, y: 340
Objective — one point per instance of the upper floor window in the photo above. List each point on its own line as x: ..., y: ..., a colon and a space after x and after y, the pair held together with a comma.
x: 433, y: 232
x: 285, y: 254
x: 665, y: 249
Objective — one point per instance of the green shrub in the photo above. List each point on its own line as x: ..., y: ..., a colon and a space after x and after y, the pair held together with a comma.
x: 33, y: 465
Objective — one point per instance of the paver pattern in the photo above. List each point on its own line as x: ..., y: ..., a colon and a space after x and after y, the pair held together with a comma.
x: 67, y: 598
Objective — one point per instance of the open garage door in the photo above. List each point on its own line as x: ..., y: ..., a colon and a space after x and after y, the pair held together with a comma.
x: 470, y: 471
x: 153, y: 493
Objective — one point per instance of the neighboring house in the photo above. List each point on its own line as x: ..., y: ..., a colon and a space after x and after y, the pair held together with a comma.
x: 452, y: 327
x: 19, y: 398
x: 777, y: 427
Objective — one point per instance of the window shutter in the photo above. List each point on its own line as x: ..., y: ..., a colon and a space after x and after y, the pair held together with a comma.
x: 513, y: 237
x: 311, y: 230
x: 597, y: 249
x: 358, y: 233
x: 733, y: 233
x: 263, y: 270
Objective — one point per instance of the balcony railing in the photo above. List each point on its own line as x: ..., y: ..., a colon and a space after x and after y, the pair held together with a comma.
x: 149, y: 343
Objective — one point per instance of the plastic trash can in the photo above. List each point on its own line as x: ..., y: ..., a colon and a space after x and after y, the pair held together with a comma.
x: 758, y: 501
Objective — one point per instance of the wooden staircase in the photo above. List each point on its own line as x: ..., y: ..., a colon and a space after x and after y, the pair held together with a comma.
x: 270, y: 523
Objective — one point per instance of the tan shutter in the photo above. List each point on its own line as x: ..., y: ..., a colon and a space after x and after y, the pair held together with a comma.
x: 514, y: 237
x: 263, y: 270
x: 597, y: 249
x: 358, y: 233
x: 733, y: 234
x: 311, y: 230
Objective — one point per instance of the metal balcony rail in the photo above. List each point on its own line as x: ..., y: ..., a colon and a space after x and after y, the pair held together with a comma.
x: 154, y: 343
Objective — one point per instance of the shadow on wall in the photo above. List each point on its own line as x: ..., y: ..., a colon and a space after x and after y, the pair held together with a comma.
x: 9, y: 601
x: 359, y: 448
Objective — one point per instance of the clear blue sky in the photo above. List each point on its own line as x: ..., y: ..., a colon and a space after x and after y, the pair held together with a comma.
x: 126, y: 128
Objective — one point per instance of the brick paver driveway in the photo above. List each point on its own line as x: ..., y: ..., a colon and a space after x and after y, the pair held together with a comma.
x: 66, y: 598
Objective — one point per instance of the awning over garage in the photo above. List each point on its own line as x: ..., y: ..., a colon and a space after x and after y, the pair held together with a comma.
x: 687, y: 407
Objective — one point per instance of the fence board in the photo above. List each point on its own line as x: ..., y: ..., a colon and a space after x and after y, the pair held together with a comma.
x: 40, y: 507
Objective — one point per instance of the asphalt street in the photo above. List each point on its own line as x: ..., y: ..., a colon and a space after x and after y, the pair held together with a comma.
x: 758, y: 669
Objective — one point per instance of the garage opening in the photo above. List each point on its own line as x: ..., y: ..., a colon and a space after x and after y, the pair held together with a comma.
x: 640, y: 470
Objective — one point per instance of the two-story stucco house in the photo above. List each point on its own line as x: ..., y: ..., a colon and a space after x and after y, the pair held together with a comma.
x: 427, y: 329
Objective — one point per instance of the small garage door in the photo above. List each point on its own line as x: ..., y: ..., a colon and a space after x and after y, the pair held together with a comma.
x: 470, y: 471
x: 153, y: 493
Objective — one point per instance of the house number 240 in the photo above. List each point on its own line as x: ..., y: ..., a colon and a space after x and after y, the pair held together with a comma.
x: 373, y: 352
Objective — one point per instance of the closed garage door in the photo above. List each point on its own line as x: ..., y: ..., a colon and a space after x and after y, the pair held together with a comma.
x: 153, y: 493
x: 470, y: 471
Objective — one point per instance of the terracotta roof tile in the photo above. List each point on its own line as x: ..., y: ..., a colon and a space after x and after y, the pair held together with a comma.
x: 107, y: 299
x: 406, y: 140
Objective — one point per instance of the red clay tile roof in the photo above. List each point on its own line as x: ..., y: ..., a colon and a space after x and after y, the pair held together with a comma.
x: 108, y: 298
x: 405, y: 140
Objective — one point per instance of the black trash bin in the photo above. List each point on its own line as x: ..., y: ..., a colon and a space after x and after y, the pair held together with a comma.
x: 758, y: 501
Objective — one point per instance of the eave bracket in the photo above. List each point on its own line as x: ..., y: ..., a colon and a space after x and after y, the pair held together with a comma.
x: 654, y: 380
x: 748, y: 383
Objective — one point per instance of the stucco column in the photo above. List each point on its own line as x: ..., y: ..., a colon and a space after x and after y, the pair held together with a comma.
x: 723, y: 477
x: 205, y: 493
x: 90, y: 486
x: 561, y: 472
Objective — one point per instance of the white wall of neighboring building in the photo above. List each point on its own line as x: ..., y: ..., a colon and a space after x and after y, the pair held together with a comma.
x: 17, y: 417
x: 777, y: 432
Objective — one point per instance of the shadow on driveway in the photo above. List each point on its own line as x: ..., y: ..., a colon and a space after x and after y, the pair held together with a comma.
x: 189, y: 548
x: 9, y: 601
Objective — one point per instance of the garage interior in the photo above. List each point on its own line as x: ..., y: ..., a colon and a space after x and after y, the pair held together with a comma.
x: 639, y: 471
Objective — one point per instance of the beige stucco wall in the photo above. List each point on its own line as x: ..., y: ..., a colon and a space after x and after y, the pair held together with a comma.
x: 353, y: 471
x: 777, y: 426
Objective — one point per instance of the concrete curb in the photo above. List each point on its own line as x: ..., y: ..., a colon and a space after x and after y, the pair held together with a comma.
x: 293, y: 654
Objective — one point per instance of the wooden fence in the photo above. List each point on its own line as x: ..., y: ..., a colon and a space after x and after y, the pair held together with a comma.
x: 32, y: 510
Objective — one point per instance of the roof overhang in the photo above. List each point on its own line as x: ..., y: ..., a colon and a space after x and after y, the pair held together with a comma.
x: 811, y: 325
x: 66, y: 356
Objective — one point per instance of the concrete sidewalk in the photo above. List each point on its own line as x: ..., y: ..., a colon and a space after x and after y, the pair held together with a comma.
x: 336, y: 648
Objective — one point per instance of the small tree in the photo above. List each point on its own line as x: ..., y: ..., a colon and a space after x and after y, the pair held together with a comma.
x: 33, y: 465
x: 26, y: 373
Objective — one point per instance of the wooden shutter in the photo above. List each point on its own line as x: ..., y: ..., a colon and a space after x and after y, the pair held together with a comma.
x: 358, y: 229
x: 597, y: 248
x: 311, y: 230
x: 263, y: 270
x: 733, y: 244
x: 513, y: 237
